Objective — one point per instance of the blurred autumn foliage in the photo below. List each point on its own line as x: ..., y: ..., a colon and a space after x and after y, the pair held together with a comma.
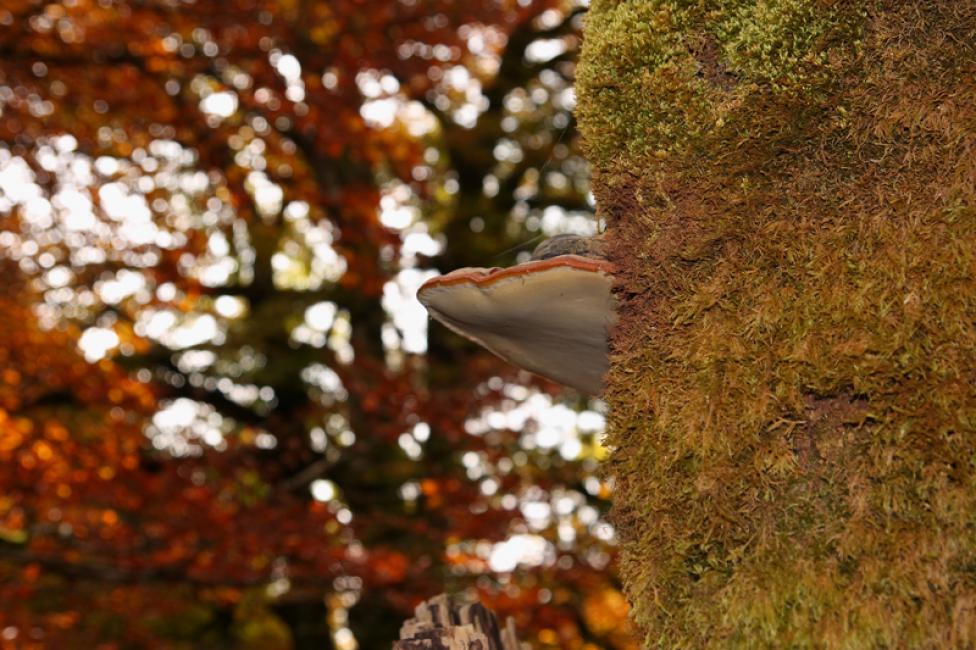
x: 221, y: 422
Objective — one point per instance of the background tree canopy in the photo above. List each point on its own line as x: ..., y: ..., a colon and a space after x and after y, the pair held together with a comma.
x: 222, y: 421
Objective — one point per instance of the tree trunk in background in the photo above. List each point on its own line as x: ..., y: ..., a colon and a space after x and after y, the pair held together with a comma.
x: 790, y: 188
x: 442, y: 624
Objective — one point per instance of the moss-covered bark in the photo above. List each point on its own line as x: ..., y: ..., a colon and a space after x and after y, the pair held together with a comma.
x: 791, y: 192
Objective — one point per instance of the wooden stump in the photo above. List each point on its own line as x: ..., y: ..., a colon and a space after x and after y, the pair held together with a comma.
x: 443, y: 624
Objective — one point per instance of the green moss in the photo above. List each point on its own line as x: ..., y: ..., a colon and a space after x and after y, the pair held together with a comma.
x: 785, y: 41
x: 789, y: 188
x: 653, y: 60
x: 638, y: 61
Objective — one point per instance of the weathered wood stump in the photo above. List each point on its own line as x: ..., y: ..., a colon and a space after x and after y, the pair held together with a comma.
x: 441, y: 623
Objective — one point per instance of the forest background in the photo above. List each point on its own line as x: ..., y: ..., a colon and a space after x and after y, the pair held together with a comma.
x: 223, y: 419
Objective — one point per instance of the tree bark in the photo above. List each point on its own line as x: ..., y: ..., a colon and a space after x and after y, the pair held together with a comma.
x: 790, y: 188
x: 443, y: 624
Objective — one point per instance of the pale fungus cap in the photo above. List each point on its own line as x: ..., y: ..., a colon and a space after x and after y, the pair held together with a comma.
x: 550, y: 316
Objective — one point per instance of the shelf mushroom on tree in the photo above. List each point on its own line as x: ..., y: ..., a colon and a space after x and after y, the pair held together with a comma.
x: 550, y: 315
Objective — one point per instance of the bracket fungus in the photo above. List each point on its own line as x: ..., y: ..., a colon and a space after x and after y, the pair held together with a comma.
x: 550, y: 316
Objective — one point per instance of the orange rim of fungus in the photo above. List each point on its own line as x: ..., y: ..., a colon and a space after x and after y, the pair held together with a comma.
x: 485, y: 277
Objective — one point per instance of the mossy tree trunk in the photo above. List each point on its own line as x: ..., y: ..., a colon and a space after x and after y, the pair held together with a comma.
x: 791, y: 192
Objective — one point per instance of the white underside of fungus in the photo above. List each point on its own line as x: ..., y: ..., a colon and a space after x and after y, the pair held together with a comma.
x: 550, y: 317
